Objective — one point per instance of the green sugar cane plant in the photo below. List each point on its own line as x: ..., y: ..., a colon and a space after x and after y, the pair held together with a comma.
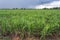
x: 30, y: 22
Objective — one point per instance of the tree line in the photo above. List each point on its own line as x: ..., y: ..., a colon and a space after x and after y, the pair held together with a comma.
x: 27, y: 8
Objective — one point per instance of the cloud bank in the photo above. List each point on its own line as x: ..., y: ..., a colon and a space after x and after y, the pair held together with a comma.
x: 29, y: 3
x: 49, y: 5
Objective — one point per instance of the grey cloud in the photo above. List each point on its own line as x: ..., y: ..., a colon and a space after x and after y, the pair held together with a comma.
x: 22, y: 3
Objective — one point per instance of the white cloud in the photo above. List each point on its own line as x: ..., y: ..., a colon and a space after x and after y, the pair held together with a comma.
x: 49, y: 5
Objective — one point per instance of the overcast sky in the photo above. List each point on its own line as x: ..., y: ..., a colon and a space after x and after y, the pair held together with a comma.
x: 28, y: 3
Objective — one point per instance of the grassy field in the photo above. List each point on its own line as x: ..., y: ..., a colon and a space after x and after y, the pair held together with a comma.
x: 30, y: 22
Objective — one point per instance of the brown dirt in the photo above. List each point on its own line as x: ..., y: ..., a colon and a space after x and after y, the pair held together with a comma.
x: 15, y: 38
x: 26, y: 37
x: 53, y: 37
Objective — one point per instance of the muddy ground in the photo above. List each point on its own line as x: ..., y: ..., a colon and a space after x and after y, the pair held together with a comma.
x: 54, y: 37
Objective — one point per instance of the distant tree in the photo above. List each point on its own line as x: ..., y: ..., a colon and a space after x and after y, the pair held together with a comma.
x: 15, y: 8
x: 23, y: 8
x: 56, y: 8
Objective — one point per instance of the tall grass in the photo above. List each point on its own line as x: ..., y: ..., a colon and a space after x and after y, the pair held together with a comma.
x: 34, y: 22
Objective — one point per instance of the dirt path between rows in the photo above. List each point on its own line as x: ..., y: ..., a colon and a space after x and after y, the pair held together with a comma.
x: 51, y: 37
